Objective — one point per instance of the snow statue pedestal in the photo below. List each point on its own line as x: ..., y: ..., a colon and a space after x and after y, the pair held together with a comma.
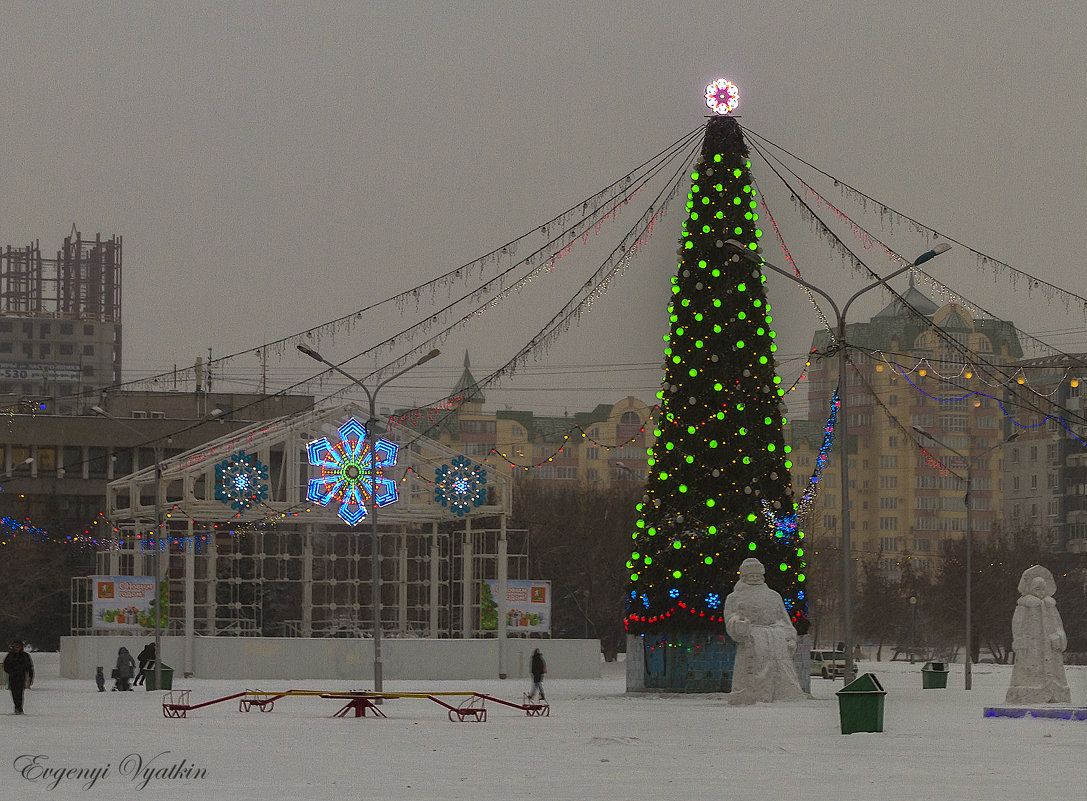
x: 1038, y: 640
x: 756, y: 619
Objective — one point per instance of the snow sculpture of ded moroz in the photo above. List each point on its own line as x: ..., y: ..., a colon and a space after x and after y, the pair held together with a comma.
x: 756, y: 619
x: 1038, y: 640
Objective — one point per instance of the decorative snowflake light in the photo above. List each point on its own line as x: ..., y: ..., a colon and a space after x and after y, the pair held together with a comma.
x: 722, y: 96
x: 241, y: 481
x: 347, y: 470
x: 460, y: 485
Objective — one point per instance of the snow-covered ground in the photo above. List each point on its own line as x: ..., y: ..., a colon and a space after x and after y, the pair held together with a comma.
x: 598, y: 743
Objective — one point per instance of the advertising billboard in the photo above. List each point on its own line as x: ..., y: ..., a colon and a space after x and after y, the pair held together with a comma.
x: 528, y: 605
x: 127, y: 602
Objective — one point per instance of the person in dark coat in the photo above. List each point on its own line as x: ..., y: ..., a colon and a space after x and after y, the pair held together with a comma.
x: 146, y: 659
x: 537, y: 667
x: 100, y: 679
x: 20, y: 669
x: 126, y: 668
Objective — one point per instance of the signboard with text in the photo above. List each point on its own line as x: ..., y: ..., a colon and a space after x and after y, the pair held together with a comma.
x: 127, y: 602
x: 527, y: 608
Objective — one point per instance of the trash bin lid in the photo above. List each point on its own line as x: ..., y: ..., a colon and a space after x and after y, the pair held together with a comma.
x: 865, y: 683
x: 938, y: 667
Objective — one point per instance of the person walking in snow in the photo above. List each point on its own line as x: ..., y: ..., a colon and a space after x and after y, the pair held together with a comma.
x: 126, y: 668
x: 146, y: 659
x: 537, y: 667
x: 20, y: 669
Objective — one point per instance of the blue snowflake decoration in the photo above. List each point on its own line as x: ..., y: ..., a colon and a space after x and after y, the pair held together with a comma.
x: 460, y: 485
x: 673, y: 592
x: 347, y: 472
x: 241, y: 481
x: 713, y: 600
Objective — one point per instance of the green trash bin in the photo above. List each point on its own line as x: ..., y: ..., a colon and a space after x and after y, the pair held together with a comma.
x: 860, y: 704
x: 934, y: 676
x: 167, y: 678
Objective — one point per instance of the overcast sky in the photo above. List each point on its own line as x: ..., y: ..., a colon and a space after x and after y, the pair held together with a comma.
x: 272, y: 166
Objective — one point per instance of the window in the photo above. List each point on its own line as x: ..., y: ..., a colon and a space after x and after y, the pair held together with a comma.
x: 5, y: 347
x: 6, y: 327
x: 888, y: 524
x: 1015, y: 482
x: 922, y: 544
x: 88, y: 350
x: 1034, y: 453
x: 66, y: 328
x: 888, y: 543
x: 477, y: 426
x: 892, y: 442
x: 830, y: 521
x: 1034, y: 481
x: 888, y: 502
x: 953, y: 422
x: 88, y: 330
x: 66, y: 349
x: 46, y: 349
x: 888, y: 482
x: 887, y: 462
x: 630, y: 418
x: 927, y: 501
x: 829, y: 501
x: 892, y: 400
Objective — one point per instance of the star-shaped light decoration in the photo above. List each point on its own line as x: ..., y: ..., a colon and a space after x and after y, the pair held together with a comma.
x: 722, y: 96
x: 241, y: 481
x: 460, y: 485
x: 347, y: 472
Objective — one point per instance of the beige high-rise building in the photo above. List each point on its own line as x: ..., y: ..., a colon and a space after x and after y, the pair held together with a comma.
x: 907, y: 501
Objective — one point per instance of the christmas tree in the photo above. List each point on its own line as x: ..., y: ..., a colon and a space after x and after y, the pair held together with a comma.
x: 719, y: 487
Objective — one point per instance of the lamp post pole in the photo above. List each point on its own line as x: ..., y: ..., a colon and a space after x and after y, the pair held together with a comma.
x: 843, y: 418
x: 371, y: 436
x: 969, y: 480
x: 913, y: 626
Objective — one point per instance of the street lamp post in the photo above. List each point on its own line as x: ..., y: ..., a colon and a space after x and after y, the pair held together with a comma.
x: 913, y: 626
x: 157, y: 557
x: 371, y: 435
x: 969, y: 482
x: 843, y: 419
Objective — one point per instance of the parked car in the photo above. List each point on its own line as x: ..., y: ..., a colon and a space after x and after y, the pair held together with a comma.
x: 828, y: 664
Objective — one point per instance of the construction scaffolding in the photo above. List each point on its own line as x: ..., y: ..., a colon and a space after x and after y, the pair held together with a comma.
x: 83, y: 282
x: 291, y: 567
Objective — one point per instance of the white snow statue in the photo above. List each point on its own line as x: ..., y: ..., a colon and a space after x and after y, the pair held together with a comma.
x: 756, y: 619
x: 1038, y: 640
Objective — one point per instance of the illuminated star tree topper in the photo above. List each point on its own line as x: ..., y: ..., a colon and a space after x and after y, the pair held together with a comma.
x: 722, y: 96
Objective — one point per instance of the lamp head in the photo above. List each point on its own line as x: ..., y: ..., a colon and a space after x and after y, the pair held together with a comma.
x: 306, y: 349
x: 98, y: 410
x: 428, y: 356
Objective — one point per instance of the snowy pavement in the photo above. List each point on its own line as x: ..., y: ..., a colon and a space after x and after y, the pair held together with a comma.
x: 598, y: 743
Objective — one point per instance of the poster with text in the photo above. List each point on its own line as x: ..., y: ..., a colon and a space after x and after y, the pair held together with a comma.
x: 127, y: 602
x: 528, y: 605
